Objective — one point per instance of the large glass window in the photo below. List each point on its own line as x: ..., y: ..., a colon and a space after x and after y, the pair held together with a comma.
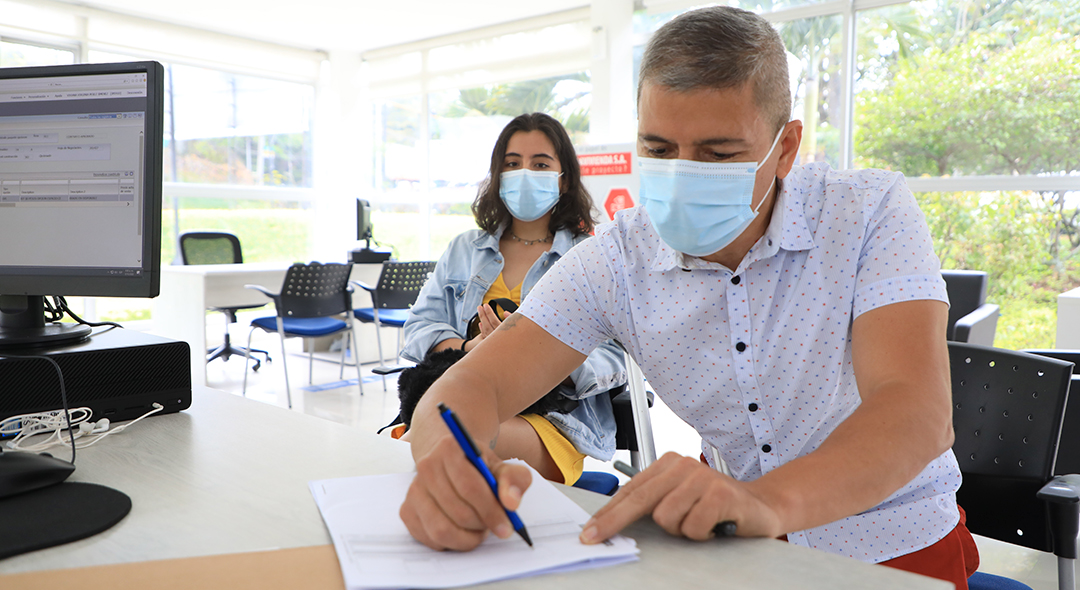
x: 17, y: 54
x: 234, y: 131
x: 946, y: 90
x: 815, y: 44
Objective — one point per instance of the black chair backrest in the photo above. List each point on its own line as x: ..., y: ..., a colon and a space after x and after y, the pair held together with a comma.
x: 1007, y: 413
x: 400, y: 284
x: 967, y: 291
x: 315, y: 290
x: 204, y: 247
x: 1068, y: 459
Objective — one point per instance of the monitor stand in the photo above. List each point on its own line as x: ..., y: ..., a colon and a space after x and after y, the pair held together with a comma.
x: 22, y: 324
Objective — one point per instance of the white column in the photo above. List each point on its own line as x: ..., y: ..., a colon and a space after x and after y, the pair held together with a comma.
x: 613, y: 94
x: 341, y: 156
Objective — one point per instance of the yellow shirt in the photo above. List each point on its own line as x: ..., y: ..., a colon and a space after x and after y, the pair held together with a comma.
x: 499, y: 290
x: 567, y: 458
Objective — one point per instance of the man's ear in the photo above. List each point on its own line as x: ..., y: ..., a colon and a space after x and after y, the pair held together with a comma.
x: 790, y: 139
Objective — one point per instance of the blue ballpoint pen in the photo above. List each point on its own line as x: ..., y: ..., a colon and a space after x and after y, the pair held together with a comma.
x: 473, y: 454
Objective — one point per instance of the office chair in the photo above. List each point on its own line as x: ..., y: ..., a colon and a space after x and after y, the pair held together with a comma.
x: 1007, y: 413
x: 211, y: 247
x: 971, y: 319
x: 310, y: 298
x: 399, y: 285
x: 1068, y: 459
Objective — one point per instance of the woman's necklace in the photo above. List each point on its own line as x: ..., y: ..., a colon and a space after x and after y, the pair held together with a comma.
x: 530, y: 242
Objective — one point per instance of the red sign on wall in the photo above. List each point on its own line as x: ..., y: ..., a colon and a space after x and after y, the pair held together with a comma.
x: 617, y: 200
x: 602, y: 164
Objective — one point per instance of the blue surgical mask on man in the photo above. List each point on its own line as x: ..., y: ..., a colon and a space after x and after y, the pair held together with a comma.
x: 698, y: 208
x: 529, y: 194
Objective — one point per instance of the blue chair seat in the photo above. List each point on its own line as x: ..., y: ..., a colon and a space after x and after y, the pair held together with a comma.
x: 387, y: 317
x: 598, y: 481
x: 306, y: 327
x: 984, y: 581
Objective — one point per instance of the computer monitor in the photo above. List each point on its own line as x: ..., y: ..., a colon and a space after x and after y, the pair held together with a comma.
x: 80, y: 191
x: 363, y: 221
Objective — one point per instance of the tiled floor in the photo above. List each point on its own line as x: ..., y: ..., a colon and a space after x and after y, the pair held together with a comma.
x: 341, y: 402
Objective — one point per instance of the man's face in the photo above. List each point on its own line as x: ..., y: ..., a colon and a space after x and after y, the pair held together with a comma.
x: 706, y: 125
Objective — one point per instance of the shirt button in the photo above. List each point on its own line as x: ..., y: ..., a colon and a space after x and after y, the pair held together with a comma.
x: 752, y: 407
x: 740, y: 346
x: 766, y: 448
x: 735, y: 280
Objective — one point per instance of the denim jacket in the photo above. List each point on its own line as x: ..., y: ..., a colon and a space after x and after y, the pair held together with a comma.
x: 450, y: 297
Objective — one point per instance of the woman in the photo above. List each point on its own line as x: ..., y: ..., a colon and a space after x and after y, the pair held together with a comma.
x: 531, y: 209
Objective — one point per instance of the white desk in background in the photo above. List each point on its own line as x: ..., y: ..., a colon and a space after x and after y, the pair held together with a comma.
x: 188, y: 291
x: 220, y: 499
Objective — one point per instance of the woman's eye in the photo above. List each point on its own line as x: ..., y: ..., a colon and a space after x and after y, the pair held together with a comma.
x: 510, y: 165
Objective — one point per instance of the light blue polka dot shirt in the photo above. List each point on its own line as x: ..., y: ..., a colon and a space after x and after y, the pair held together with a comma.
x: 758, y: 360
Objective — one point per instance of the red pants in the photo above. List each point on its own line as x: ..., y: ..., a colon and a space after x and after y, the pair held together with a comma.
x: 953, y: 559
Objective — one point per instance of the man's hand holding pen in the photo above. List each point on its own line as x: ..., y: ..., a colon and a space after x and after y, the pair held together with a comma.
x: 449, y: 504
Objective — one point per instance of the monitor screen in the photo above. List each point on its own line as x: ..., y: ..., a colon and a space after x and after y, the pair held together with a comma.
x: 80, y: 187
x: 363, y: 220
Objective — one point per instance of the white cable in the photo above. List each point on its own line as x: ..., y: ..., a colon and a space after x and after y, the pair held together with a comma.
x: 53, y: 424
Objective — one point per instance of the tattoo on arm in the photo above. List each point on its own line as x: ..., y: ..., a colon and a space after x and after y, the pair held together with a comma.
x: 509, y: 322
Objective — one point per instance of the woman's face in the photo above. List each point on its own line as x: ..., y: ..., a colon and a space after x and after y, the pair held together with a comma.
x: 531, y: 150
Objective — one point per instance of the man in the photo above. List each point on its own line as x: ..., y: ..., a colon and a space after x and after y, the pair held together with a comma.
x: 795, y: 316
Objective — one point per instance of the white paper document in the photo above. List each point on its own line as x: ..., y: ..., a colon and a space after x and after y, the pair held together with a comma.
x: 375, y: 549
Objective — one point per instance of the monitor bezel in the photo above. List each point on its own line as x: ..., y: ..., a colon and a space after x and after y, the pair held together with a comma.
x: 149, y: 283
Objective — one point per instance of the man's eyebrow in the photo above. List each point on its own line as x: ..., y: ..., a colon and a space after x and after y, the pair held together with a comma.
x: 700, y: 142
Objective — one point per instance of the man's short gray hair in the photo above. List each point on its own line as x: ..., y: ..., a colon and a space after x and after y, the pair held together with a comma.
x: 721, y: 47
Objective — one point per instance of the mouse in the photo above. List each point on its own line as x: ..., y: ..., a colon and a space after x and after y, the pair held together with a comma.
x: 22, y: 472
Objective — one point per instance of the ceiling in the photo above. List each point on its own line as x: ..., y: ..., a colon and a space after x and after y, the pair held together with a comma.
x: 350, y: 25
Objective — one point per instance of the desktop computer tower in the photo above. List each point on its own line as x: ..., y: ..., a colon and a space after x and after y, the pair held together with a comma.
x: 117, y: 373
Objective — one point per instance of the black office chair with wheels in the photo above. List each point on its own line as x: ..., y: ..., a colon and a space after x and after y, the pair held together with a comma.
x: 971, y: 319
x: 399, y: 285
x: 311, y: 298
x: 211, y: 247
x: 1007, y: 414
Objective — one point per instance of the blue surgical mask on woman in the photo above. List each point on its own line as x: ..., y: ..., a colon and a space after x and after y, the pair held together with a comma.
x: 698, y: 208
x: 529, y: 194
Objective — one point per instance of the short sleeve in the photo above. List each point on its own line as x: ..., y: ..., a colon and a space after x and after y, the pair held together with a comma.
x: 897, y: 262
x: 565, y: 302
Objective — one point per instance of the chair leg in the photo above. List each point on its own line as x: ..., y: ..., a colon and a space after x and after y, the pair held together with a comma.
x: 378, y: 339
x: 284, y: 362
x: 344, y: 351
x: 356, y: 349
x: 247, y: 357
x: 1066, y: 572
x: 310, y: 360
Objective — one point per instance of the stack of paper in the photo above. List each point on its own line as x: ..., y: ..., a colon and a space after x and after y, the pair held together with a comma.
x: 375, y: 549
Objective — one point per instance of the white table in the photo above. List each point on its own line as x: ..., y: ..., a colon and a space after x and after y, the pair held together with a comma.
x: 229, y: 476
x: 1068, y: 320
x: 188, y: 291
